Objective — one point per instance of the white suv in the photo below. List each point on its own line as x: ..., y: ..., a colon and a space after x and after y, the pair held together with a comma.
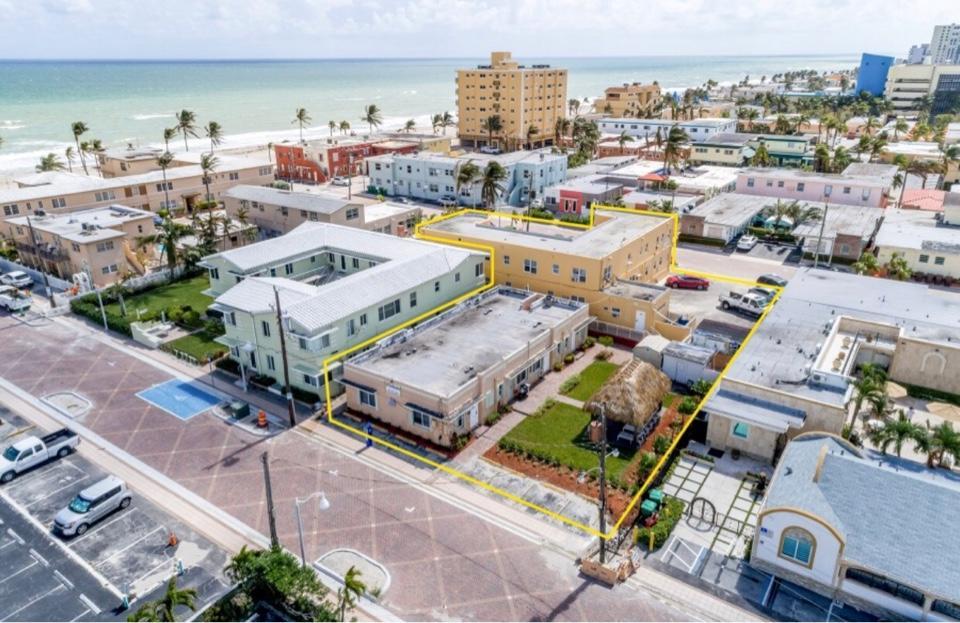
x: 17, y: 278
x: 91, y: 505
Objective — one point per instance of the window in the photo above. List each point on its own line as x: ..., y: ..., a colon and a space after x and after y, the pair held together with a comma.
x: 233, y: 176
x: 105, y: 246
x: 436, y: 286
x: 420, y: 418
x: 353, y: 213
x: 456, y: 277
x: 555, y: 269
x: 388, y: 310
x: 780, y: 184
x: 846, y: 190
x: 351, y: 326
x: 265, y: 326
x: 938, y: 260
x: 310, y: 380
x: 530, y: 266
x: 750, y: 182
x: 865, y: 194
x: 368, y: 398
x: 288, y: 269
x: 271, y: 364
x: 355, y: 262
x: 827, y: 190
x: 741, y: 430
x: 284, y: 211
x: 924, y: 258
x: 363, y: 319
x: 413, y: 299
x: 800, y: 187
x: 798, y: 545
x: 230, y: 318
x: 506, y: 260
x: 615, y: 312
x: 58, y: 202
x: 478, y: 270
x: 578, y: 275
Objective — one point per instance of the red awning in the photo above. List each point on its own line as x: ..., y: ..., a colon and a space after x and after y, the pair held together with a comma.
x: 653, y: 177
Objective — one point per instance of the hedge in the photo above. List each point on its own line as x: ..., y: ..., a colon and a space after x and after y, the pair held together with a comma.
x: 88, y: 307
x: 713, y: 242
x: 670, y: 515
x: 925, y: 393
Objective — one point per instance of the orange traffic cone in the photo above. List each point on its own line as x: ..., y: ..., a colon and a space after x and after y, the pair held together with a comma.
x: 173, y: 541
x: 262, y: 419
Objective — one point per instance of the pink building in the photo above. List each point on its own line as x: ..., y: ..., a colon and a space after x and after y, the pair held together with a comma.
x: 796, y: 185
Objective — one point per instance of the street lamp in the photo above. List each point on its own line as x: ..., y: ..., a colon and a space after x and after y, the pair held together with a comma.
x: 247, y: 348
x: 323, y: 504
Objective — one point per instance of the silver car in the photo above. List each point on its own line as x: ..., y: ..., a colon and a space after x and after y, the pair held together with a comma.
x: 91, y: 505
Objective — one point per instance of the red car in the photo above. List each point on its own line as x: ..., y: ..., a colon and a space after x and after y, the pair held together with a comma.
x: 687, y: 282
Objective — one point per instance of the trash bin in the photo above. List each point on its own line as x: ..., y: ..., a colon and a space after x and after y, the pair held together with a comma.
x: 648, y: 508
x: 656, y: 495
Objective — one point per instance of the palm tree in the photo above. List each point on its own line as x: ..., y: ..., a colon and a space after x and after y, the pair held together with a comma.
x: 761, y: 157
x: 163, y: 161
x: 372, y: 116
x: 352, y: 589
x: 332, y: 125
x: 214, y: 132
x: 168, y: 234
x: 573, y: 106
x: 409, y: 126
x: 464, y: 176
x: 532, y: 131
x: 671, y: 150
x: 801, y: 213
x: 949, y: 154
x: 344, y: 127
x: 435, y: 122
x: 900, y: 125
x: 866, y: 265
x: 446, y: 120
x: 871, y: 383
x: 187, y: 125
x: 560, y: 129
x: 782, y: 125
x: 491, y: 187
x: 938, y: 442
x: 163, y: 609
x: 492, y: 125
x: 96, y: 148
x: 208, y: 164
x: 751, y: 116
x: 877, y: 145
x: 623, y: 139
x: 896, y: 433
x: 880, y: 405
x: 243, y: 220
x: 302, y: 118
x: 79, y: 128
x: 897, y: 267
x: 841, y: 159
x: 168, y: 135
x: 68, y: 153
x: 50, y: 162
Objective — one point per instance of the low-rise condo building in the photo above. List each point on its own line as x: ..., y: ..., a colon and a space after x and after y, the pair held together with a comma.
x: 444, y: 378
x: 737, y: 149
x: 795, y: 374
x: 276, y: 212
x: 723, y: 217
x: 840, y: 232
x: 179, y: 188
x: 795, y: 185
x: 928, y: 241
x: 612, y: 266
x: 101, y: 243
x: 338, y: 287
x: 862, y: 528
x: 908, y: 85
x: 629, y: 100
x: 522, y: 96
x: 696, y: 129
x: 575, y: 196
x: 432, y: 177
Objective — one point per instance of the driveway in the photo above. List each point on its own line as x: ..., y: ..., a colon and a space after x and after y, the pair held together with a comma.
x: 733, y: 263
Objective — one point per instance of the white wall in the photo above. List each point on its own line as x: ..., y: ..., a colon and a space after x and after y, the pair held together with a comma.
x: 826, y: 557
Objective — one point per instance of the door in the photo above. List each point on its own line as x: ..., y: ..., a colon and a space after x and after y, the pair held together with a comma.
x: 27, y: 459
x: 474, y: 418
x: 640, y: 323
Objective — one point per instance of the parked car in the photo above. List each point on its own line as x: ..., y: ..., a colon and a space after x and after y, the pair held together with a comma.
x: 750, y: 304
x: 687, y: 282
x: 17, y: 278
x: 487, y: 149
x: 404, y: 201
x: 747, y: 242
x: 765, y: 293
x: 341, y: 180
x: 91, y: 505
x: 13, y: 300
x: 31, y: 451
x: 771, y: 279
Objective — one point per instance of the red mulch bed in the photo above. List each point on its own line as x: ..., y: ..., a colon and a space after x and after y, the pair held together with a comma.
x: 560, y: 477
x: 663, y: 428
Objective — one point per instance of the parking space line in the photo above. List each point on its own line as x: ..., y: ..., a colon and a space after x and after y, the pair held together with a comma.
x: 89, y: 604
x: 63, y: 579
x: 151, y: 572
x: 56, y: 588
x: 98, y: 528
x: 56, y: 491
x: 82, y: 614
x: 13, y: 575
x: 118, y: 552
x: 38, y: 473
x: 36, y: 556
x: 16, y: 536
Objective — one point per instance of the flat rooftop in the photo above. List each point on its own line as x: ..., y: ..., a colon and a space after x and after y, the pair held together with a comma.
x: 644, y: 197
x: 917, y: 149
x: 811, y: 176
x: 639, y: 168
x: 616, y: 230
x: 480, y: 159
x: 727, y: 138
x: 447, y: 353
x: 596, y: 184
x: 381, y: 209
x: 85, y: 225
x: 920, y: 230
x: 706, y: 177
x: 732, y: 209
x: 635, y: 290
x: 318, y: 202
x: 844, y: 220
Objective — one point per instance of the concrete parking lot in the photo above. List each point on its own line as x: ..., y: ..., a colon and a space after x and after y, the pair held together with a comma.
x: 705, y: 304
x: 127, y: 551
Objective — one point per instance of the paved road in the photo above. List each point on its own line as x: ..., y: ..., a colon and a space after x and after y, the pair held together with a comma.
x: 445, y: 562
x: 724, y: 262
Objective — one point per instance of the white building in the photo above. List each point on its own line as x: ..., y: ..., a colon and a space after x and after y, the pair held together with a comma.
x: 945, y: 45
x: 928, y: 241
x: 696, y: 129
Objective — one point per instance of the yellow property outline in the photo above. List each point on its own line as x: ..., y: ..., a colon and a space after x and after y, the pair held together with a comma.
x: 492, y: 283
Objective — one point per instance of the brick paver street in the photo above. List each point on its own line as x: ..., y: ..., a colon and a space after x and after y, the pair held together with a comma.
x: 444, y: 561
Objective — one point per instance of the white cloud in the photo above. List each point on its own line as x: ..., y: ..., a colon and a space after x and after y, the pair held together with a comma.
x: 68, y: 6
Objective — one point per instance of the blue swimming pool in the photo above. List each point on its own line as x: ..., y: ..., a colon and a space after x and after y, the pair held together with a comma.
x: 180, y: 398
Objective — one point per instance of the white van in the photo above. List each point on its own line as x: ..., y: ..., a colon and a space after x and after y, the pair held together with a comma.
x: 91, y: 505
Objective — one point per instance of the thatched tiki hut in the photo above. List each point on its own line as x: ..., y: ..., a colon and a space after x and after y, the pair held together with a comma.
x: 632, y: 395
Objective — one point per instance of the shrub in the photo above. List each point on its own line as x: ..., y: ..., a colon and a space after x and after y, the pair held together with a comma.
x: 88, y: 307
x: 213, y: 326
x: 670, y: 514
x: 605, y: 340
x: 700, y: 387
x: 304, y: 396
x: 568, y: 358
x: 569, y: 384
x: 589, y: 342
x: 548, y: 404
x: 557, y: 366
x: 604, y: 355
x: 688, y: 405
x: 660, y: 444
x: 191, y: 319
x: 175, y: 313
x: 228, y: 365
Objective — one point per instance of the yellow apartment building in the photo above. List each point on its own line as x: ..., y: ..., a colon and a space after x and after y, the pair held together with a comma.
x: 614, y: 266
x: 522, y: 96
x: 629, y: 100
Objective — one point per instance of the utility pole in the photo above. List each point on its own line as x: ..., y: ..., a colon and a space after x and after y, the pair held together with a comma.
x: 274, y: 540
x: 291, y: 410
x: 823, y: 224
x: 36, y: 250
x: 603, y: 484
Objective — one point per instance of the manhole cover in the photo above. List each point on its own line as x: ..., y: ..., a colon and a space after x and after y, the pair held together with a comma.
x: 68, y: 403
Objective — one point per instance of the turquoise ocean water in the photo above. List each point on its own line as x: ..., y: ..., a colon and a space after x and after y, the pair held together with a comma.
x: 131, y: 102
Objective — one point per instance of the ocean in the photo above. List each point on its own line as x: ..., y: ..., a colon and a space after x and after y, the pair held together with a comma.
x: 132, y: 101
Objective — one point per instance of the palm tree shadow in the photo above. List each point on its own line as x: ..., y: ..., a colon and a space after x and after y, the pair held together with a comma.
x: 565, y: 603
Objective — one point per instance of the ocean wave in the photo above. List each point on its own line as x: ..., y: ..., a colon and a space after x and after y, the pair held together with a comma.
x: 12, y: 124
x: 146, y: 117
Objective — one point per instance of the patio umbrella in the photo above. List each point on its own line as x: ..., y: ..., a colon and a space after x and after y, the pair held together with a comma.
x: 632, y: 395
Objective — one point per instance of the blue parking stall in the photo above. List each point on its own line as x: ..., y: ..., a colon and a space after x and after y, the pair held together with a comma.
x: 181, y: 399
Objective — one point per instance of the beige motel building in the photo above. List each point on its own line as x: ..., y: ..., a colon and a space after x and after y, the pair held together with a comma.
x: 523, y: 96
x: 276, y: 212
x: 628, y: 100
x: 444, y: 378
x: 613, y: 266
x: 101, y: 242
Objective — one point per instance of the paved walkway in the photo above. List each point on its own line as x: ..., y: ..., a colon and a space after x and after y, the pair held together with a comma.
x: 451, y: 554
x: 549, y: 386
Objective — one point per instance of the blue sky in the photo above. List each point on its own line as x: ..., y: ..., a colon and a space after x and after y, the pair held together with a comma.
x: 461, y: 28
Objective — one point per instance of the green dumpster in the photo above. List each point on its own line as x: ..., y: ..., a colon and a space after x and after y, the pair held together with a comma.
x: 648, y: 508
x: 656, y: 495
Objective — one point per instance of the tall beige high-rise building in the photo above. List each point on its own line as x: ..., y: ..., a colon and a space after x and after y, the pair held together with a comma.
x: 522, y: 96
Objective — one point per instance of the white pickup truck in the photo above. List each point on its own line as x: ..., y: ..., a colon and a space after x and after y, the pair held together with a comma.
x: 749, y: 303
x: 30, y: 452
x: 13, y: 300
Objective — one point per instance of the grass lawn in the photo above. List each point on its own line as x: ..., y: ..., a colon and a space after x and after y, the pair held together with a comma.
x: 591, y: 378
x: 560, y: 433
x: 199, y: 345
x: 185, y: 292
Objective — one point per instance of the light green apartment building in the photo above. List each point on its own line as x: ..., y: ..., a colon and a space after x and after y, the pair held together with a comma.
x: 736, y: 149
x: 338, y: 287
